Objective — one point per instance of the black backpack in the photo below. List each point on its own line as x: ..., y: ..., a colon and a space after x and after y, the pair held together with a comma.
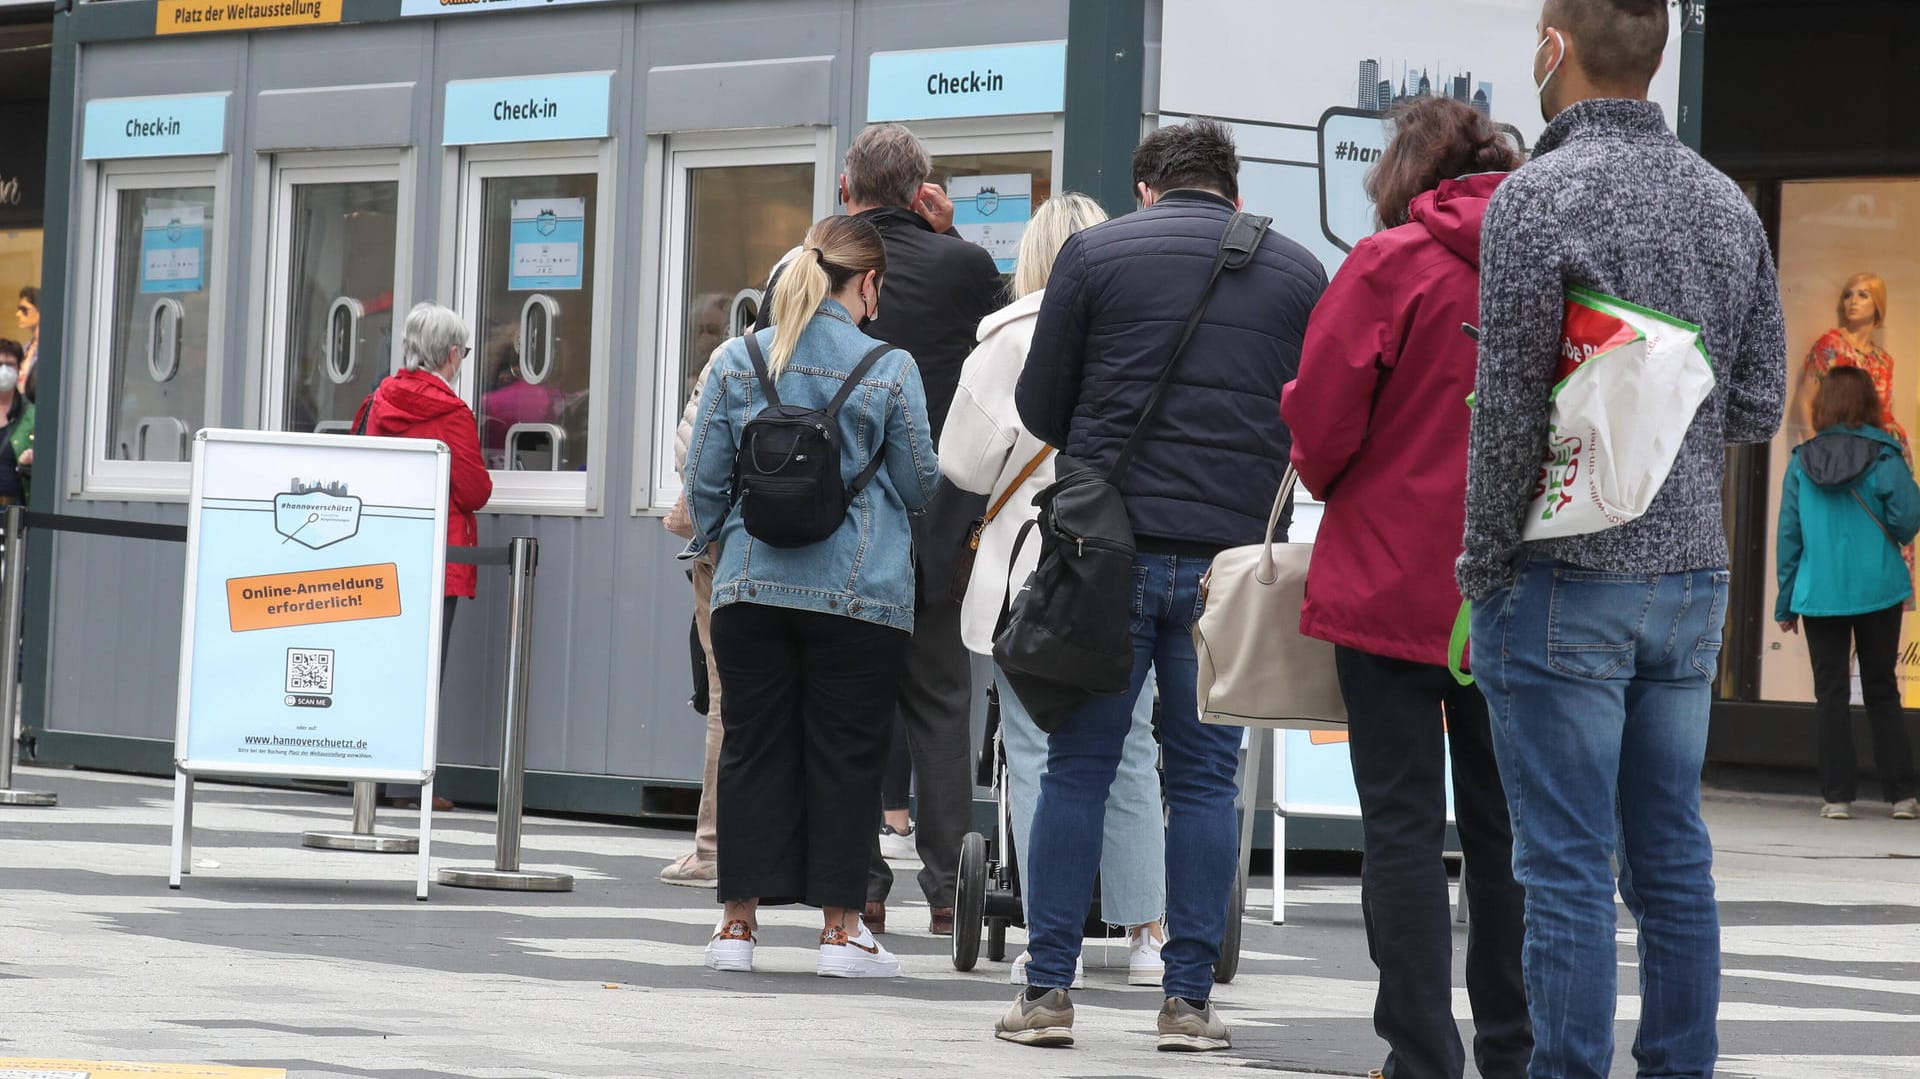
x: 1066, y: 637
x: 786, y: 472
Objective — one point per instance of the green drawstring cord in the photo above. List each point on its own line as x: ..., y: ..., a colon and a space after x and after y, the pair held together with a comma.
x: 1457, y: 646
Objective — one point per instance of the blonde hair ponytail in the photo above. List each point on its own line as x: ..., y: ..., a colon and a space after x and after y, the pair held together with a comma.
x: 836, y: 250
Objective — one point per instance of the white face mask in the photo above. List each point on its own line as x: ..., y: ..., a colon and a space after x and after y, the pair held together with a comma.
x: 1541, y: 89
x: 9, y: 378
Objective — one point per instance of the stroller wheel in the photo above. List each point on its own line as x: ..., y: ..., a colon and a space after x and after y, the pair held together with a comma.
x: 997, y: 939
x: 970, y: 901
x: 1228, y: 964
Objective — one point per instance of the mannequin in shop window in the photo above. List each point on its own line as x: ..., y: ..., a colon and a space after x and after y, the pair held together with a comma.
x: 1862, y: 311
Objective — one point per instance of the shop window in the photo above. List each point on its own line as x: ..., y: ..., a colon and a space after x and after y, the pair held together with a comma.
x: 532, y: 286
x: 156, y: 325
x: 733, y: 212
x: 1830, y: 232
x: 336, y: 237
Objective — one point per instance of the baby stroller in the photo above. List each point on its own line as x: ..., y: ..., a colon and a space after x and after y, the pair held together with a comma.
x: 987, y: 892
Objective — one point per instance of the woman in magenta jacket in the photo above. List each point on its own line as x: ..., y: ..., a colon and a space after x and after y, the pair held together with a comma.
x: 1379, y: 420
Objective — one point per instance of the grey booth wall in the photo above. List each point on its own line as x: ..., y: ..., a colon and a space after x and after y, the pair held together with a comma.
x: 611, y: 673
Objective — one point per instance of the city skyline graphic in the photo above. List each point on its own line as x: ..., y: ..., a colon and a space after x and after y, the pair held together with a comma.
x: 1380, y: 87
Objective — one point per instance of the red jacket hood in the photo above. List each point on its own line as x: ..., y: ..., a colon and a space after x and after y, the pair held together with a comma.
x: 412, y: 397
x: 1452, y: 212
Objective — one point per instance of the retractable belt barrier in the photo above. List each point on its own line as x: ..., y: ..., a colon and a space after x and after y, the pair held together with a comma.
x: 520, y: 556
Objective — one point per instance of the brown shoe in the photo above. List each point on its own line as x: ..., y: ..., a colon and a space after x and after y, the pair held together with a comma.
x: 942, y: 922
x: 875, y: 915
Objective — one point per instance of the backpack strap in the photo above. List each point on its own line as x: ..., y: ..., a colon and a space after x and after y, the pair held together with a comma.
x: 1237, y: 245
x: 865, y: 475
x: 760, y: 369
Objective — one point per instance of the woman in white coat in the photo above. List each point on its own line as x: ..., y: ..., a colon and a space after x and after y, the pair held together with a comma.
x: 985, y: 450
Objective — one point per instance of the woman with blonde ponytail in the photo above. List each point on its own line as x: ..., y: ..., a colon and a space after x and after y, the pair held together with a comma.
x: 810, y: 640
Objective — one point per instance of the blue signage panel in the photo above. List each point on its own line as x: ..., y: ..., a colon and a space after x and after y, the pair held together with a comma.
x: 995, y: 80
x: 120, y: 127
x: 548, y: 237
x: 173, y: 246
x: 312, y: 629
x: 527, y: 110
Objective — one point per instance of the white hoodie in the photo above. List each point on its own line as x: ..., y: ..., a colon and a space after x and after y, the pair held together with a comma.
x: 982, y: 449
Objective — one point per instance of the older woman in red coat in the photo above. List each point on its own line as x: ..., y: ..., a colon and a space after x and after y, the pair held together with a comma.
x: 1379, y: 419
x: 420, y: 401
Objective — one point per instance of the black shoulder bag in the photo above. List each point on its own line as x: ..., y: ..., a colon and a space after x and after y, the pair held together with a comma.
x: 1065, y: 638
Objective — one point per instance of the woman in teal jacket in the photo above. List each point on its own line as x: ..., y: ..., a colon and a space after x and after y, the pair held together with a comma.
x: 1848, y: 507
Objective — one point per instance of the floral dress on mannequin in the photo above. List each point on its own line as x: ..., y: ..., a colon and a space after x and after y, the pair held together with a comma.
x: 1837, y: 348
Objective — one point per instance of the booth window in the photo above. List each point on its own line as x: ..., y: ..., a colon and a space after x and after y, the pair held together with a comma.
x: 733, y: 212
x: 336, y: 244
x: 154, y: 328
x: 532, y: 236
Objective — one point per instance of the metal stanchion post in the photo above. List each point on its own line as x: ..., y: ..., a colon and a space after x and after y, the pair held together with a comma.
x: 362, y: 838
x: 506, y: 874
x: 13, y: 597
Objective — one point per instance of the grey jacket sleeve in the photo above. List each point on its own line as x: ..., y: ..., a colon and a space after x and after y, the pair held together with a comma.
x: 1757, y: 377
x: 1522, y: 311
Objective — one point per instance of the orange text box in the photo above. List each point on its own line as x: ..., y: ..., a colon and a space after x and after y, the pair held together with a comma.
x: 346, y: 594
x: 206, y: 16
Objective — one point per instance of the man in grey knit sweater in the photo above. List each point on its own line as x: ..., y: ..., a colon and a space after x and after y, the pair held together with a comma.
x: 1597, y: 652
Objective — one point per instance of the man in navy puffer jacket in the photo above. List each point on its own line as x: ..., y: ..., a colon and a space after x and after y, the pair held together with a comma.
x: 1203, y: 479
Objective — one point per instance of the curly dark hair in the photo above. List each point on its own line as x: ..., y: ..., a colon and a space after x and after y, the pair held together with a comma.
x: 1198, y: 153
x: 1434, y: 139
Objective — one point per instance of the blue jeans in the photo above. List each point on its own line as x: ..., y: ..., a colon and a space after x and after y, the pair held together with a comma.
x: 1133, y: 858
x: 1599, y: 686
x: 1199, y: 764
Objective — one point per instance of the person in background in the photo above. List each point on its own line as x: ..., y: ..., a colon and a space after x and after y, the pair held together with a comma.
x: 985, y: 450
x: 1202, y: 479
x: 27, y: 314
x: 699, y: 867
x: 1597, y: 652
x: 1379, y: 422
x: 811, y: 640
x: 420, y: 401
x: 939, y: 288
x: 16, y: 428
x: 1847, y: 507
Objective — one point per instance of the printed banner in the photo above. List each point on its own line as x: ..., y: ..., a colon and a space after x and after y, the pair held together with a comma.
x: 205, y: 16
x: 547, y: 237
x: 993, y: 212
x: 173, y: 247
x: 315, y: 576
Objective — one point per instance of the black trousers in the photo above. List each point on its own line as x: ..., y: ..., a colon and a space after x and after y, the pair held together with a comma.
x: 896, y: 789
x: 807, y: 706
x: 1399, y: 748
x: 1831, y: 643
x: 935, y: 708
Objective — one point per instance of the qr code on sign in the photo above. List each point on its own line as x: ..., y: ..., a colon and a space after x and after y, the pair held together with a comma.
x: 309, y: 670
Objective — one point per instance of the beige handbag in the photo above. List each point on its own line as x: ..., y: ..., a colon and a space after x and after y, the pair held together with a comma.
x: 1256, y: 668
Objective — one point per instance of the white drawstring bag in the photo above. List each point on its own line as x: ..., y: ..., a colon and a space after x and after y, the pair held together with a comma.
x: 1629, y: 383
x: 1256, y: 669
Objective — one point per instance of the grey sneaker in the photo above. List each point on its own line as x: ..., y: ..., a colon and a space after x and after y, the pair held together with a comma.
x: 1046, y: 1023
x: 1187, y: 1029
x: 1906, y: 809
x: 1837, y: 811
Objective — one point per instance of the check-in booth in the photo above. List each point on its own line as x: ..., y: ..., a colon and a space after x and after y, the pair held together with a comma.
x: 600, y: 190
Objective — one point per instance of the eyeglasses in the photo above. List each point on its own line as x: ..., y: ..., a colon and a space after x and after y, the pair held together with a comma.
x: 465, y: 351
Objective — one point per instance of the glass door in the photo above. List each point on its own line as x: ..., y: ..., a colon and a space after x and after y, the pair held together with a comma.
x: 336, y: 237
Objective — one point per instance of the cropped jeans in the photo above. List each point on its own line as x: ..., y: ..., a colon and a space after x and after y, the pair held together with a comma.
x: 1200, y: 762
x: 1598, y: 685
x: 1133, y: 855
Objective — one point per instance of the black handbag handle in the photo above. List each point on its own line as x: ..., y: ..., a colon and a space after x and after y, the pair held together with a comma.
x: 1237, y: 245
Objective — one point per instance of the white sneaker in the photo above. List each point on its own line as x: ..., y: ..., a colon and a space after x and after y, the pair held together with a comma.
x: 731, y: 948
x: 898, y: 846
x: 1144, y: 966
x: 842, y: 956
x: 1018, y: 976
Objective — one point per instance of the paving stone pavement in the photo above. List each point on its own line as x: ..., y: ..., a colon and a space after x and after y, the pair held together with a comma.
x: 323, y: 964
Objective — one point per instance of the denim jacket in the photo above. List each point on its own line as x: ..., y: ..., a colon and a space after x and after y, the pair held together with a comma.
x: 864, y: 570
